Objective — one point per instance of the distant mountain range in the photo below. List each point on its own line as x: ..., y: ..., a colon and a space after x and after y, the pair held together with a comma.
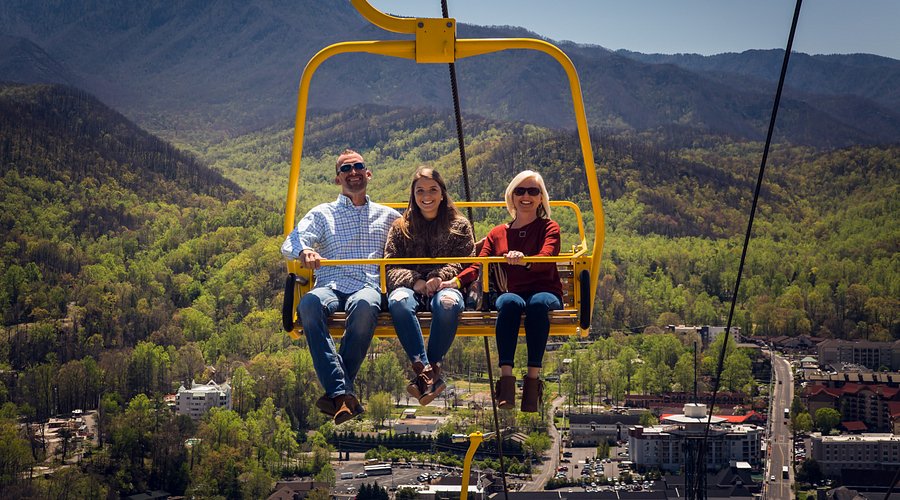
x: 228, y: 67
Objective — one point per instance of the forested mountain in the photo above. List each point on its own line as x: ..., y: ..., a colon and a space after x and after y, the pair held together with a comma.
x: 220, y: 68
x: 109, y: 232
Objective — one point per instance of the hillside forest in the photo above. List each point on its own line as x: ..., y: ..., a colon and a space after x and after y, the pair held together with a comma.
x: 130, y: 266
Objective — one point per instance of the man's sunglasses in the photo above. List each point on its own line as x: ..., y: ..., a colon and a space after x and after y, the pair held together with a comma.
x: 531, y: 191
x: 352, y: 166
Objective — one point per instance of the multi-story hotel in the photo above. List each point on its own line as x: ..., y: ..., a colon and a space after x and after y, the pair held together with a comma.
x: 874, y: 355
x: 663, y: 446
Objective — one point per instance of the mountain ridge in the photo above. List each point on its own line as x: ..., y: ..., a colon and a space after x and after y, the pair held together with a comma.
x: 227, y: 67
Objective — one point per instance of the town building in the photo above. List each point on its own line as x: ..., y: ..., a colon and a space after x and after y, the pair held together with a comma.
x: 589, y: 429
x: 874, y: 355
x: 201, y: 398
x: 842, y: 378
x: 706, y: 333
x: 838, y: 454
x: 877, y: 406
x: 663, y: 446
x: 296, y: 489
x: 679, y: 399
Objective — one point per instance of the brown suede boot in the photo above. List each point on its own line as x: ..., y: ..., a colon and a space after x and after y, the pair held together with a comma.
x: 506, y: 392
x: 418, y: 386
x: 532, y: 394
x: 436, y: 386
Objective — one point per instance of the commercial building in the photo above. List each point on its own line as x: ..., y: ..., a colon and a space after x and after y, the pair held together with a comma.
x: 200, y: 398
x: 589, y: 429
x: 837, y: 455
x: 664, y: 446
x: 874, y: 355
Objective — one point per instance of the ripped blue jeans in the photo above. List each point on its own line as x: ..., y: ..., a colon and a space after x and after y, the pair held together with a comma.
x: 446, y: 306
x: 337, y: 369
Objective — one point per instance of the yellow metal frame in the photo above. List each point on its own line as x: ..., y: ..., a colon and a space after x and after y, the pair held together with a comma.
x: 436, y: 42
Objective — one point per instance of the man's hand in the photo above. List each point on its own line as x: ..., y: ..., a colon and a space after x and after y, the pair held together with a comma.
x: 310, y: 259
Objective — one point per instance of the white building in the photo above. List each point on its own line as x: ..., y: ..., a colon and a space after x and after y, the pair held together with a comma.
x: 664, y: 446
x: 200, y: 398
x: 859, y: 451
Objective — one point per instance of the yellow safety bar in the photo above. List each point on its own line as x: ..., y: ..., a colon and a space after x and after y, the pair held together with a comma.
x: 436, y: 42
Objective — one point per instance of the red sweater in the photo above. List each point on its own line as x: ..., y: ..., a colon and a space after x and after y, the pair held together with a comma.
x: 539, y: 238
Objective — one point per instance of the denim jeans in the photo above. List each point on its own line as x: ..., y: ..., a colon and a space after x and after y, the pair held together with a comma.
x: 446, y: 306
x: 537, y: 307
x: 337, y: 369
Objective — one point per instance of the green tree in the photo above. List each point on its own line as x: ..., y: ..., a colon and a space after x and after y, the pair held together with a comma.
x: 803, y: 423
x: 827, y: 419
x: 242, y: 386
x: 536, y: 444
x: 15, y: 453
x: 810, y: 472
x: 647, y: 419
x: 626, y: 359
x: 683, y: 374
x: 380, y: 406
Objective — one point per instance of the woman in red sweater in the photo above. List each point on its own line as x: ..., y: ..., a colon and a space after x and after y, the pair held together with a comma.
x: 533, y: 289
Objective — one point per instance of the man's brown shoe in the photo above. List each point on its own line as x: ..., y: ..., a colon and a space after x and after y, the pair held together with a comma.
x: 532, y: 394
x: 506, y: 392
x: 346, y: 406
x: 325, y: 405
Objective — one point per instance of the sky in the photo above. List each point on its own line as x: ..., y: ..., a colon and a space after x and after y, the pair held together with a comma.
x: 704, y: 27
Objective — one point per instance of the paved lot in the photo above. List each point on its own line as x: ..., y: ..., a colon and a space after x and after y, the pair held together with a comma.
x: 399, y: 476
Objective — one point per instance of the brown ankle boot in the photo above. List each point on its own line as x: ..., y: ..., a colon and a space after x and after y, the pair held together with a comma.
x: 506, y: 392
x: 532, y: 394
x: 418, y: 386
x: 435, y: 387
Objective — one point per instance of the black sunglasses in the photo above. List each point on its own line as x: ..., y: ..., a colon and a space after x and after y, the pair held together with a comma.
x: 531, y: 191
x: 356, y: 166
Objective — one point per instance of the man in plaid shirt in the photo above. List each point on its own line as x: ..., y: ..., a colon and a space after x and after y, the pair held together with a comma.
x: 352, y: 227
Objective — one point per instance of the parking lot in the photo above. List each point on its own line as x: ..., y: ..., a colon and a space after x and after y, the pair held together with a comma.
x: 582, y: 465
x: 401, y: 474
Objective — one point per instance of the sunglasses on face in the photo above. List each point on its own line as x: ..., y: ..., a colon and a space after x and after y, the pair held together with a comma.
x: 532, y: 191
x: 352, y: 166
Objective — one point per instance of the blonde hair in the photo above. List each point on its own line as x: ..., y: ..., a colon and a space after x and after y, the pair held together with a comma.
x: 544, y: 209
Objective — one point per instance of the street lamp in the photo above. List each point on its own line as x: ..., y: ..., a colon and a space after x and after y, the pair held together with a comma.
x: 475, y: 440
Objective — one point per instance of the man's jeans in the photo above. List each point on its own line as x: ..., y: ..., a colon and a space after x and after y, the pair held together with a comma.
x: 337, y: 369
x: 446, y: 306
x: 537, y: 307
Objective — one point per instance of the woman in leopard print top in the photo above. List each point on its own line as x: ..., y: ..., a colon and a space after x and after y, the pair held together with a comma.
x: 431, y: 227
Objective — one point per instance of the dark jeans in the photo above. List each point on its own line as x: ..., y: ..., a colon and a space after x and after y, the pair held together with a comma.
x: 537, y: 307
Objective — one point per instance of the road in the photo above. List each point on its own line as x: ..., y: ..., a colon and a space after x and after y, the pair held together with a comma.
x: 549, y: 467
x: 780, y: 444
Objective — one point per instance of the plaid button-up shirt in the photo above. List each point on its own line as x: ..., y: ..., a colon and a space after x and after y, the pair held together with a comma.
x: 341, y: 230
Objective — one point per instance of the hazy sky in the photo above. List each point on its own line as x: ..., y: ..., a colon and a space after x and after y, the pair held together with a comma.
x: 686, y: 26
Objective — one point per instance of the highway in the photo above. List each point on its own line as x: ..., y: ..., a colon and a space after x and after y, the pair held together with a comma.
x: 780, y: 444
